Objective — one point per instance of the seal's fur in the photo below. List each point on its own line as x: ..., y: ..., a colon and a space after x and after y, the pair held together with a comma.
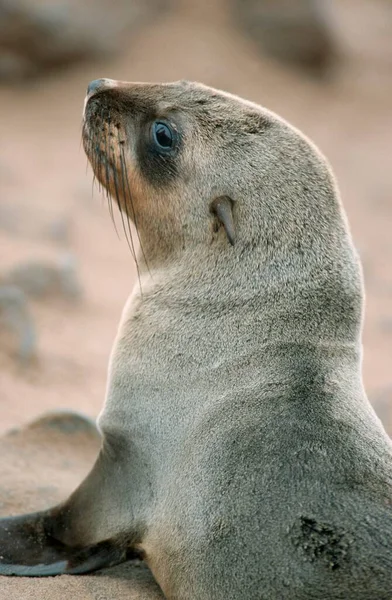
x: 241, y: 457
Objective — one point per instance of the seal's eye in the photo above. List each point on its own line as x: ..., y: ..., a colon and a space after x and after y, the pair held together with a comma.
x: 163, y: 135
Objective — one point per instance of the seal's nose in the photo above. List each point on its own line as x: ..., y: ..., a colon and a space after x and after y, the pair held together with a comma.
x: 95, y: 85
x: 100, y: 84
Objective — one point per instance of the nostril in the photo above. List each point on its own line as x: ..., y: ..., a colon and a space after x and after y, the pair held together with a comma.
x: 95, y: 85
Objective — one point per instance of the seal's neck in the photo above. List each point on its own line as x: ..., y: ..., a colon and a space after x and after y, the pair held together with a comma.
x: 312, y: 293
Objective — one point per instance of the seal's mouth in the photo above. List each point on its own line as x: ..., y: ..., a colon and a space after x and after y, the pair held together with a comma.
x: 104, y: 140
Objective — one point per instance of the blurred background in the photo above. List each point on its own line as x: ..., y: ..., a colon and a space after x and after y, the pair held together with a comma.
x: 326, y: 66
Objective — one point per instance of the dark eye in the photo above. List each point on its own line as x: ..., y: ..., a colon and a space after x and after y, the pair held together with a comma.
x: 163, y: 135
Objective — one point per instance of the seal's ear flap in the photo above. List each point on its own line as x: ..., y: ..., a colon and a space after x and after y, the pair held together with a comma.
x: 222, y: 208
x: 28, y: 549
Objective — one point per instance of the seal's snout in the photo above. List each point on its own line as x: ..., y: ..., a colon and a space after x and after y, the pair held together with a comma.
x: 93, y: 86
x: 99, y: 84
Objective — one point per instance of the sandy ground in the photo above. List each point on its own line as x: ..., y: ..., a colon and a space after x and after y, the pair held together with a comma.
x: 67, y: 446
x: 43, y: 180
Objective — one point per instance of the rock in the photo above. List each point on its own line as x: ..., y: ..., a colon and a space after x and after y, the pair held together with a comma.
x: 15, y: 316
x: 22, y: 219
x: 59, y: 230
x: 66, y: 422
x: 293, y: 31
x: 40, y: 279
x: 37, y: 279
x: 38, y: 36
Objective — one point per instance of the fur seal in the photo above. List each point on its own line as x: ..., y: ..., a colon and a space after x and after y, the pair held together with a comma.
x: 240, y: 456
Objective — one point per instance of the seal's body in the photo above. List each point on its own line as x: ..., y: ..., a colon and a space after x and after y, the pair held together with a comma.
x: 240, y: 458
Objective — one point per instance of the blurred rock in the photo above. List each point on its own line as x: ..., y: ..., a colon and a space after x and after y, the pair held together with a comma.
x: 41, y: 279
x: 64, y: 422
x: 294, y: 31
x: 22, y: 219
x: 8, y: 218
x: 36, y: 36
x: 38, y: 279
x: 59, y: 230
x: 15, y: 317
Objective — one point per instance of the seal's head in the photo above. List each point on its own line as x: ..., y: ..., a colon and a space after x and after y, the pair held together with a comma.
x: 194, y: 166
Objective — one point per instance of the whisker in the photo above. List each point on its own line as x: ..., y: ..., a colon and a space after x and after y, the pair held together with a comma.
x: 82, y: 126
x: 98, y: 147
x: 107, y: 179
x: 124, y: 195
x: 129, y: 239
x: 124, y: 179
x: 103, y: 162
x: 83, y: 135
x: 129, y: 196
x: 94, y: 156
x: 119, y: 204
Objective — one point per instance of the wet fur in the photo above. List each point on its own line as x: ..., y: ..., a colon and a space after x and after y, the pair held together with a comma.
x: 241, y: 457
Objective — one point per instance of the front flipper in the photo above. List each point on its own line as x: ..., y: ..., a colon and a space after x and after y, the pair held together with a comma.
x: 29, y: 549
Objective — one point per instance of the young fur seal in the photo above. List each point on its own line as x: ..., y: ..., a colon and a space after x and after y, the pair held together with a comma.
x: 240, y: 457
